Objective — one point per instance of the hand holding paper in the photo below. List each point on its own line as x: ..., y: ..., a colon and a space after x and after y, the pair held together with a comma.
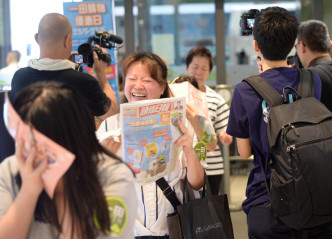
x: 35, y: 146
x: 30, y: 170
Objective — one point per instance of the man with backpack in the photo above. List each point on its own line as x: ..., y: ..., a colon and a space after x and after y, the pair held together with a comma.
x: 313, y: 49
x: 275, y: 31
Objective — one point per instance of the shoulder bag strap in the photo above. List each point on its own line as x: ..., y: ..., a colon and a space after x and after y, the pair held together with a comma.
x: 272, y: 97
x: 265, y: 89
x: 306, y: 86
x: 168, y: 192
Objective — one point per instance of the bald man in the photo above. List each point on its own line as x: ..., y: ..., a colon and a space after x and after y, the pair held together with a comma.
x: 54, y: 38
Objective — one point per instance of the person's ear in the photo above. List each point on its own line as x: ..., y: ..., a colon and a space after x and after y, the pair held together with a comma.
x: 163, y: 88
x: 67, y: 41
x: 330, y: 46
x: 256, y: 46
x: 36, y: 38
x: 303, y: 47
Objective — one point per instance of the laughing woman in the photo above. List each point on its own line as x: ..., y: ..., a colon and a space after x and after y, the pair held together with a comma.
x: 145, y: 76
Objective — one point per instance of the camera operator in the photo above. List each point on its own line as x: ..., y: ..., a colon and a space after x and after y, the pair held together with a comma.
x: 54, y: 38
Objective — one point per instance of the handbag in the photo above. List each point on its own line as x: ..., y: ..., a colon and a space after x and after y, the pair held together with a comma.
x: 204, y: 218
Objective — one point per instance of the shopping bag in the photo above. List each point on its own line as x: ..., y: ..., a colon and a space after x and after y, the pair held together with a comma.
x: 205, y: 218
x: 173, y: 223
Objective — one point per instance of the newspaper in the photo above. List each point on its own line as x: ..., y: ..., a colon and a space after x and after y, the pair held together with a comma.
x: 149, y: 130
x: 59, y: 159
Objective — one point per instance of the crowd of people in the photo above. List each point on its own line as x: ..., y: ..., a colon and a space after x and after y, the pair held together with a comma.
x: 72, y: 108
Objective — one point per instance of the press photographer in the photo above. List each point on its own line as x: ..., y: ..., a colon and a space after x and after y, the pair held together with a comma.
x: 54, y: 64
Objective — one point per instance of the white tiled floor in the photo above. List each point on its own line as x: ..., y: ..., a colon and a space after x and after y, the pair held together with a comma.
x: 236, y: 197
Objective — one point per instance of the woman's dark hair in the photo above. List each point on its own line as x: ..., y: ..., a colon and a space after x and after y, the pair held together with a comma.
x: 199, y: 51
x: 183, y: 78
x: 155, y: 65
x: 61, y: 114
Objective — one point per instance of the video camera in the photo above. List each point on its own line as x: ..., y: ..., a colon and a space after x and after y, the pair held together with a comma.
x: 103, y: 39
x: 247, y: 21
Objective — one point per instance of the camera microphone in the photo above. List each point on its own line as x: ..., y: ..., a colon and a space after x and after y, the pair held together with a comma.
x: 106, y: 36
x: 116, y: 39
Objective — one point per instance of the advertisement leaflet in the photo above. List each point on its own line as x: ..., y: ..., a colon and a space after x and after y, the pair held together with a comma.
x: 149, y: 130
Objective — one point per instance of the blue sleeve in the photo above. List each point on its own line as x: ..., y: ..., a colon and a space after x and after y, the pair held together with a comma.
x: 318, y: 86
x: 238, y: 125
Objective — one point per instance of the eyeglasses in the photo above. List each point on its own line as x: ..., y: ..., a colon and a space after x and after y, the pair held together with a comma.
x: 296, y: 45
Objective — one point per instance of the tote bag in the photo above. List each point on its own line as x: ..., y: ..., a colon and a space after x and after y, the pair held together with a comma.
x: 205, y: 218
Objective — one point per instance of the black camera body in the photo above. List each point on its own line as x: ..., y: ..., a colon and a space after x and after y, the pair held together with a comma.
x: 102, y: 38
x: 247, y: 21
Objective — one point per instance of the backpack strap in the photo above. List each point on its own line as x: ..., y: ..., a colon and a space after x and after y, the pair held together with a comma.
x: 265, y: 89
x: 306, y: 86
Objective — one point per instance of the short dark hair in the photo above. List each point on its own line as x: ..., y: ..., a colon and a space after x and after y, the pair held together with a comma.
x: 275, y: 31
x: 315, y: 35
x: 199, y: 51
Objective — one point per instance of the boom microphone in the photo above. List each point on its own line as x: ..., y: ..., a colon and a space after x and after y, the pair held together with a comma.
x: 116, y: 39
x: 106, y: 36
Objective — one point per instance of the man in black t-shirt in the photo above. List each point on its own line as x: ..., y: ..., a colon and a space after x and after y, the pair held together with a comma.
x: 54, y: 38
x: 313, y: 49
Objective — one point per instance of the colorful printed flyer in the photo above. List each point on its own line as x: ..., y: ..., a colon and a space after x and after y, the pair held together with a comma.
x: 149, y: 130
x: 194, y: 97
x: 59, y: 159
x: 197, y: 100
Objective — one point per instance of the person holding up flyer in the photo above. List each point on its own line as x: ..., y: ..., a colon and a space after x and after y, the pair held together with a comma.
x: 145, y: 78
x: 197, y: 111
x: 199, y: 63
x: 94, y: 199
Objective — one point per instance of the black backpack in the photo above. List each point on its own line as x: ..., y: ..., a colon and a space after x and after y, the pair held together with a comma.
x: 300, y: 155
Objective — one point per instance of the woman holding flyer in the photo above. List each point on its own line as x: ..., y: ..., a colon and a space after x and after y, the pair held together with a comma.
x: 145, y: 78
x: 199, y: 63
x: 95, y: 198
x: 196, y: 110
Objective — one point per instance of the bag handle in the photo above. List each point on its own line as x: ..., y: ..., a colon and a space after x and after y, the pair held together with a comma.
x: 188, y: 194
x: 168, y: 192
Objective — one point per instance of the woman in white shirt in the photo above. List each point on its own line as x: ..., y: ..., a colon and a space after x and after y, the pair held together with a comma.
x: 145, y: 78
